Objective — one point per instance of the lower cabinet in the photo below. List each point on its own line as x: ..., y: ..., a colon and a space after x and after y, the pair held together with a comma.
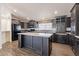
x: 70, y: 40
x: 77, y: 51
x: 61, y: 39
x: 76, y: 47
x: 54, y: 37
x: 74, y: 43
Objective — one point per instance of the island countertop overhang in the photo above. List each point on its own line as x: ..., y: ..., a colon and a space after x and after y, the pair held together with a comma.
x: 36, y: 34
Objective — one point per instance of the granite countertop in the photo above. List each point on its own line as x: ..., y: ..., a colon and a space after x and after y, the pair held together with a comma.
x: 76, y: 36
x: 61, y: 33
x: 69, y: 33
x: 22, y: 29
x: 36, y: 34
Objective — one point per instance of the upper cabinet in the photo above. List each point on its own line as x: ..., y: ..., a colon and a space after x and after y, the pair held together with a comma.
x: 19, y: 20
x: 32, y: 24
x: 22, y: 24
x: 75, y: 19
x: 68, y: 22
x: 61, y: 23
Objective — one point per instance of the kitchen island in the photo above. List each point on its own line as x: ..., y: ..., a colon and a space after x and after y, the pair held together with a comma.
x: 40, y: 43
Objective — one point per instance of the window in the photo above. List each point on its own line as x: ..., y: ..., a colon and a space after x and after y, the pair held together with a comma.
x: 45, y: 26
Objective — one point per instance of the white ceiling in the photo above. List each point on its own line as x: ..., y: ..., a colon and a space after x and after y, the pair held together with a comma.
x: 39, y: 11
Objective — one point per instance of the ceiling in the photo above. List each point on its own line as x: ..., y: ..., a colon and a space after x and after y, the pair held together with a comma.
x: 39, y: 11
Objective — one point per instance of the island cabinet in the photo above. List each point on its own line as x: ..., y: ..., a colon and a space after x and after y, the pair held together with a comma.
x: 27, y: 43
x: 37, y: 44
x: 40, y: 44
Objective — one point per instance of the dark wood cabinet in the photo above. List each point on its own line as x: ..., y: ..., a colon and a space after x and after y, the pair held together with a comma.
x: 75, y: 19
x: 76, y: 46
x: 54, y: 39
x: 61, y: 23
x: 68, y: 22
x: 74, y: 43
x: 61, y: 39
x: 32, y: 24
x: 69, y: 39
x: 22, y: 24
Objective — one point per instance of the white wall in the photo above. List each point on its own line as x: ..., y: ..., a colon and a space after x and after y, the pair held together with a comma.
x: 5, y: 24
x: 0, y: 29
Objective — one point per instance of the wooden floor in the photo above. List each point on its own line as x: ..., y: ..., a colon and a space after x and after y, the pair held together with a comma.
x: 11, y: 49
x: 61, y: 50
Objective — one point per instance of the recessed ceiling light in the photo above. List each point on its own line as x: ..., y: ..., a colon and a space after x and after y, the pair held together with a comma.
x: 56, y: 12
x: 28, y: 18
x: 14, y: 10
x: 43, y: 17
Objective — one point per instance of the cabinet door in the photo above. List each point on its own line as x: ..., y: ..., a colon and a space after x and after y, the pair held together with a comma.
x: 22, y: 24
x: 76, y: 47
x: 37, y: 44
x: 72, y: 40
x: 58, y: 27
x: 63, y: 27
x: 27, y: 41
x: 69, y: 40
x: 61, y: 39
x: 47, y: 46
